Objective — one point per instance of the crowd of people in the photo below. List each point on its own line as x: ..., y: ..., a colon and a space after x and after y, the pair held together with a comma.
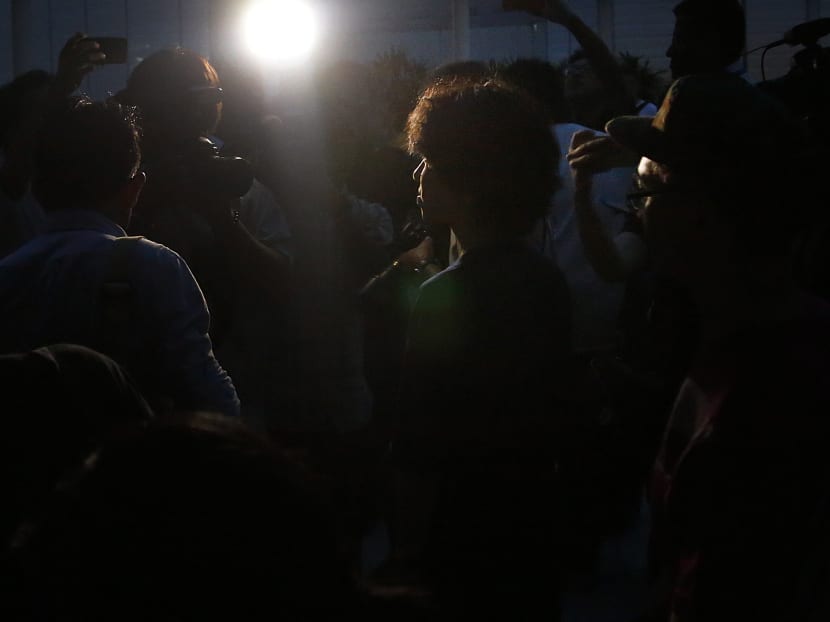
x: 552, y: 315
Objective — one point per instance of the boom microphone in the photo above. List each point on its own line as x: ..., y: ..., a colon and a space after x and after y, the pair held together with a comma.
x: 808, y: 32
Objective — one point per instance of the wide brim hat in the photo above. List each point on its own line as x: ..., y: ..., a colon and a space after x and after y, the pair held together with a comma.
x: 709, y: 120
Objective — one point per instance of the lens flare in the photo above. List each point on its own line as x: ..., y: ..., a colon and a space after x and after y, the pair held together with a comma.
x: 280, y: 30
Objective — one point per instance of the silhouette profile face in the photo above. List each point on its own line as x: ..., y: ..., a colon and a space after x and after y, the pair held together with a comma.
x: 439, y: 204
x: 694, y: 48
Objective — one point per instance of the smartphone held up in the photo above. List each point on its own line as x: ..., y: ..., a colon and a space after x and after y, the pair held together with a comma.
x: 114, y: 48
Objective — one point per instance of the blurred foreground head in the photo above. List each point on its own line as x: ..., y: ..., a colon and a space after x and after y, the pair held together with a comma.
x: 192, y: 519
x: 709, y: 35
x: 87, y: 157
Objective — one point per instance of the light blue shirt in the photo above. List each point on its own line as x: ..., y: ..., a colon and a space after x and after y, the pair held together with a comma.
x: 50, y: 292
x: 595, y: 303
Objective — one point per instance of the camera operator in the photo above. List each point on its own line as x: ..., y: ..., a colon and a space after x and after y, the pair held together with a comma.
x: 193, y: 198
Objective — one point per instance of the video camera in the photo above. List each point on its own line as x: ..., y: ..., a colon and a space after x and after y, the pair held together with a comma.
x: 197, y: 164
x: 223, y: 176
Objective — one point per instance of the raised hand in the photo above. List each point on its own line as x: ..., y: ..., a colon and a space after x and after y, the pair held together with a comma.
x: 596, y: 154
x: 77, y: 58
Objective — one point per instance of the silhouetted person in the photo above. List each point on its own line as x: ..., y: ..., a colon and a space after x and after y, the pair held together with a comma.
x: 23, y: 104
x: 84, y: 282
x: 185, y: 519
x: 480, y: 399
x: 740, y: 486
x: 709, y: 36
x: 59, y: 403
x: 194, y: 208
x: 226, y: 225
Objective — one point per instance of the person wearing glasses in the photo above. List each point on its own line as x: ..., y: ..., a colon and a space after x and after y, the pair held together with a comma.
x: 210, y: 210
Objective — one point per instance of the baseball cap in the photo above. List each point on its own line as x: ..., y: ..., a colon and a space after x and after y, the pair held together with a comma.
x: 710, y: 122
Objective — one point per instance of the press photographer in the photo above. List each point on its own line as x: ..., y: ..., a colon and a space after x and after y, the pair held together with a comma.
x: 194, y: 201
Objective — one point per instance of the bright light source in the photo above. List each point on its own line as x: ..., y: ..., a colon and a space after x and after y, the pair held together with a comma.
x: 280, y: 30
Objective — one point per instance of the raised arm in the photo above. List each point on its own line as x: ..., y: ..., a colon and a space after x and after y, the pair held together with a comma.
x: 602, y: 60
x: 613, y: 258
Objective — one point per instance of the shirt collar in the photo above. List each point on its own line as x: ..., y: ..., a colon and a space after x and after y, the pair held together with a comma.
x: 85, y: 220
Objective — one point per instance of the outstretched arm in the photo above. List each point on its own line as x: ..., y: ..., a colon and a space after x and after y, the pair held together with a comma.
x: 78, y: 57
x: 601, y: 58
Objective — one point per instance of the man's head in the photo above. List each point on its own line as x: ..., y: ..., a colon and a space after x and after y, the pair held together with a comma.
x: 721, y: 169
x: 178, y: 94
x: 489, y: 157
x: 709, y: 35
x: 87, y: 157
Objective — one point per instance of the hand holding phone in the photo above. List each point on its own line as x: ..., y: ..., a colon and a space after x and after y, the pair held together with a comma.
x: 113, y: 48
x: 77, y: 58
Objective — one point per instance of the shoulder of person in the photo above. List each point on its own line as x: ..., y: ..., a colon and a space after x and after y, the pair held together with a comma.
x: 155, y: 260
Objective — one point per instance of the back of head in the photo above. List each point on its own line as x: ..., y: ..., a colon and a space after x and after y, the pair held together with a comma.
x: 541, y: 80
x: 64, y: 399
x: 713, y: 32
x: 492, y: 145
x: 188, y: 519
x: 178, y: 94
x: 86, y: 152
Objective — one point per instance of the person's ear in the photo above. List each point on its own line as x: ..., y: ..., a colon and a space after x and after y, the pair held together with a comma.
x: 128, y: 197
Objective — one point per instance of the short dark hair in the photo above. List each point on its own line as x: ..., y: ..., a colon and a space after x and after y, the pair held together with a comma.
x: 86, y: 151
x: 541, y: 80
x: 492, y: 143
x: 725, y: 19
